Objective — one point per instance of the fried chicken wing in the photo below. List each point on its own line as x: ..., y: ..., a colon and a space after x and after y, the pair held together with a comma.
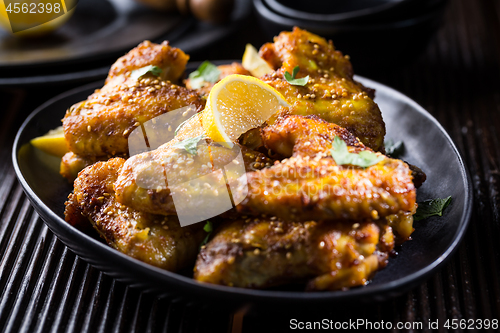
x: 225, y: 70
x: 155, y: 239
x: 98, y: 128
x: 147, y: 180
x: 171, y: 60
x: 264, y: 252
x: 310, y: 185
x: 331, y: 93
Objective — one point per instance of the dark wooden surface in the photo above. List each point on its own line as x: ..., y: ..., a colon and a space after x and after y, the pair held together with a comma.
x: 44, y: 287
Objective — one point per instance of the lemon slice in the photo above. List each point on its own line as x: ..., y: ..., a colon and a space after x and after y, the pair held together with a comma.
x: 237, y: 104
x: 52, y: 143
x: 253, y: 63
x: 41, y: 22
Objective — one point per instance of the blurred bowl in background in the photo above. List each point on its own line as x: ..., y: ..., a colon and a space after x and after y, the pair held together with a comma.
x: 375, y: 40
x: 334, y: 10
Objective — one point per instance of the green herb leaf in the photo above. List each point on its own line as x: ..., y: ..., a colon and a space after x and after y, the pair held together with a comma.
x: 431, y: 207
x: 290, y: 78
x: 394, y: 149
x: 343, y: 157
x: 190, y: 145
x: 207, y: 72
x: 208, y: 229
x: 138, y: 73
x: 183, y: 123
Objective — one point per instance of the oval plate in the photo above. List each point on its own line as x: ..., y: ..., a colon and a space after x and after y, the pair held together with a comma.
x: 426, y: 145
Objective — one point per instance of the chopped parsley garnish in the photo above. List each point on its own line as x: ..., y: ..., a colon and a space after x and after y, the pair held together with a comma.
x: 207, y: 72
x: 138, y: 73
x: 208, y: 229
x: 434, y: 207
x: 394, y: 149
x: 342, y: 156
x: 190, y: 145
x: 290, y: 78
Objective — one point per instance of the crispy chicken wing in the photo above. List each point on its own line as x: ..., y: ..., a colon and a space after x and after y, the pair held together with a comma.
x: 98, y: 128
x: 171, y: 60
x: 331, y: 93
x: 155, y: 239
x: 147, y: 180
x: 310, y: 185
x: 263, y: 252
x: 225, y: 70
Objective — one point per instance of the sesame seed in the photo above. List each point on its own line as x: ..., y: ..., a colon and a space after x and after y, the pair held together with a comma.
x: 316, y: 46
x: 230, y: 261
x: 313, y: 96
x: 125, y: 132
x: 256, y: 252
x: 169, y: 128
x: 321, y: 245
x: 172, y: 86
x: 288, y: 255
x: 89, y: 128
x: 137, y: 124
x: 299, y: 96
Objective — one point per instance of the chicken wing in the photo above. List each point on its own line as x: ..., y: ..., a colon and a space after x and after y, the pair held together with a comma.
x: 264, y: 252
x: 311, y: 186
x: 98, y: 128
x: 225, y: 70
x: 147, y: 180
x: 154, y: 239
x: 331, y: 93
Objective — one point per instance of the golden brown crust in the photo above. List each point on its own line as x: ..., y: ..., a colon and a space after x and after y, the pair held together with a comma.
x: 100, y: 126
x: 311, y: 186
x: 170, y: 59
x: 263, y: 252
x: 331, y: 92
x: 180, y: 167
x: 157, y: 240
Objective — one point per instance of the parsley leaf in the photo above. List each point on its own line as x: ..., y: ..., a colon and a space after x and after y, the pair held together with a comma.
x: 342, y: 156
x: 190, y: 145
x: 394, y: 149
x: 155, y: 70
x: 207, y: 72
x: 290, y: 78
x: 208, y: 229
x: 432, y: 207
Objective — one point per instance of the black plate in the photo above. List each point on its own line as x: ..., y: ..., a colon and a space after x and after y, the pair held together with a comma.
x: 434, y: 240
x: 187, y: 34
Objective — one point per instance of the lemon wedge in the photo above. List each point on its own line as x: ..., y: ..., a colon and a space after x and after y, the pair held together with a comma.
x: 237, y: 104
x: 253, y: 63
x: 37, y: 20
x: 52, y: 143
